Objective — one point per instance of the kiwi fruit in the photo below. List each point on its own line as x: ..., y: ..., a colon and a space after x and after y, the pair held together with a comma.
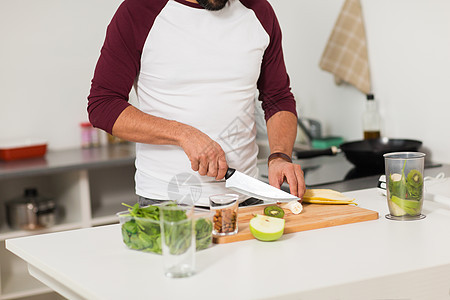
x: 274, y: 211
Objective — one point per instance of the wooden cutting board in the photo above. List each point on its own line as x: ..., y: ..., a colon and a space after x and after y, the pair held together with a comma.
x: 313, y: 216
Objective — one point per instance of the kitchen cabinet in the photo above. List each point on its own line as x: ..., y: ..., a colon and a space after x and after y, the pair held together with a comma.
x: 88, y: 186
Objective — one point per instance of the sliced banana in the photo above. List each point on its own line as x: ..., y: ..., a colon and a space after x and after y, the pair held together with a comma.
x: 396, y: 177
x: 294, y: 206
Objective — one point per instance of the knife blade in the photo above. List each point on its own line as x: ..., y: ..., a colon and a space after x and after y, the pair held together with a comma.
x: 253, y: 187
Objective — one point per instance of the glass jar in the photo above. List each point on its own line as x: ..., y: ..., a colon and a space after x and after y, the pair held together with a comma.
x: 89, y: 135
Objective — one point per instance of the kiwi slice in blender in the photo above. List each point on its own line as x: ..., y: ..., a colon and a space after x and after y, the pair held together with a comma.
x: 274, y: 211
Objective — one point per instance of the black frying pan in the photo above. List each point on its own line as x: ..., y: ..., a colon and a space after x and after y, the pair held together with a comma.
x: 365, y: 154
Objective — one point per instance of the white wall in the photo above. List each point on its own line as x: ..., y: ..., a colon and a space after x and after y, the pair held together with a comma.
x: 409, y: 56
x: 47, y: 56
x: 49, y: 49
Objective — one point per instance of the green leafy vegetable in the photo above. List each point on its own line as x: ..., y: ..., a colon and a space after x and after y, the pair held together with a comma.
x: 177, y: 232
x: 142, y: 230
x: 397, y: 185
x: 203, y: 233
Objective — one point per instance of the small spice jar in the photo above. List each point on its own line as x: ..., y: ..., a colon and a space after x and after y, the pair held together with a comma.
x: 89, y: 135
x: 225, y: 218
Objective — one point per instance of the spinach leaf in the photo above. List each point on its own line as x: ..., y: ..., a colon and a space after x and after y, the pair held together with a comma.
x: 203, y: 233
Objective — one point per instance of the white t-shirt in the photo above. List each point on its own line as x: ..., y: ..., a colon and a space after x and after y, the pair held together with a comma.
x: 198, y: 67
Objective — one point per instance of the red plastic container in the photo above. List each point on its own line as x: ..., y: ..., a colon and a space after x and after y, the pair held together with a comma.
x: 22, y: 149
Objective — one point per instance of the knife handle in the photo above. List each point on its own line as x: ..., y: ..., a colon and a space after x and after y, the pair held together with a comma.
x: 230, y: 172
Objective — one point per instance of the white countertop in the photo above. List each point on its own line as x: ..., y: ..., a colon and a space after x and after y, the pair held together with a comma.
x: 378, y: 259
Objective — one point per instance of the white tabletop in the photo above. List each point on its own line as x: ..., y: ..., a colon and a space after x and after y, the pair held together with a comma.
x: 380, y: 259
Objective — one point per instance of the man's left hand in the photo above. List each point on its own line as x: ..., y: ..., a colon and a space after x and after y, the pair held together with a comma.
x: 281, y: 171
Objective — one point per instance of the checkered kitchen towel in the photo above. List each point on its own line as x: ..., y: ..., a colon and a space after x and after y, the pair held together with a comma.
x: 345, y: 55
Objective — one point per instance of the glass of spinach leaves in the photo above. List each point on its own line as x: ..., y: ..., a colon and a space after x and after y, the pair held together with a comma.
x: 404, y: 175
x: 177, y: 239
x: 141, y: 229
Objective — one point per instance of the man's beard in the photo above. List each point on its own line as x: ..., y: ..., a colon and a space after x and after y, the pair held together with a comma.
x: 212, y: 4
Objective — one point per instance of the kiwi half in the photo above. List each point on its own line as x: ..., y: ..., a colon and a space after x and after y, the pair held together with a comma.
x: 274, y: 211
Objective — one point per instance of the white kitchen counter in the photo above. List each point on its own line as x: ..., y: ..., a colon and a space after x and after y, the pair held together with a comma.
x: 378, y: 259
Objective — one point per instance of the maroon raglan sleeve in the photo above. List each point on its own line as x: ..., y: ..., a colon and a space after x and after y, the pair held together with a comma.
x: 119, y: 61
x: 273, y: 83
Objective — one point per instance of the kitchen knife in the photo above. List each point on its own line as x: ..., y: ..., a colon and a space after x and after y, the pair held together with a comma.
x: 253, y: 187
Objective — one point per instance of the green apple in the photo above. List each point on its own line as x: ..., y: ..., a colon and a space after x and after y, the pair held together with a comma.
x: 266, y: 228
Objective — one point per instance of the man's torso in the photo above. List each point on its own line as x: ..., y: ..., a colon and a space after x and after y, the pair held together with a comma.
x: 200, y: 68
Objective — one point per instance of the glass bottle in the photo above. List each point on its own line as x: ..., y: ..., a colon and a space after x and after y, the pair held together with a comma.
x: 371, y: 119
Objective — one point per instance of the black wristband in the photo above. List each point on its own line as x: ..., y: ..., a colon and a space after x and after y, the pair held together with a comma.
x: 279, y: 155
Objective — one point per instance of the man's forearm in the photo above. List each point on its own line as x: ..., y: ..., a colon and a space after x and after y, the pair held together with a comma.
x: 281, y: 132
x: 206, y: 156
x: 137, y: 126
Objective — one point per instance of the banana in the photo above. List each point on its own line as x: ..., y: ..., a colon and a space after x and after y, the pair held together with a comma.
x: 326, y: 196
x: 329, y: 202
x: 294, y: 206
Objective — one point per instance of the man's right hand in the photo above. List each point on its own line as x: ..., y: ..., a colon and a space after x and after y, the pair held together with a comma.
x: 206, y: 155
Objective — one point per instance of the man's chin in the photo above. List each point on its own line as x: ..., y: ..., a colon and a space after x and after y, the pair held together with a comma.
x: 212, y: 4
